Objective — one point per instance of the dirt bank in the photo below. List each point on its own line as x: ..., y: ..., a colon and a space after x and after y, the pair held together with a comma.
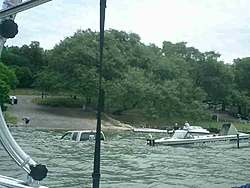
x: 43, y: 117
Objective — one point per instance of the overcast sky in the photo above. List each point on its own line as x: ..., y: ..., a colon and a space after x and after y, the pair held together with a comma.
x: 219, y: 25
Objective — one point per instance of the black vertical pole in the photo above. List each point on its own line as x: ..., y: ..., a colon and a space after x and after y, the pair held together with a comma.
x: 238, y: 141
x: 96, y: 174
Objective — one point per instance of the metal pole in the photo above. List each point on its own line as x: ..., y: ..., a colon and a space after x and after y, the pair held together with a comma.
x: 96, y: 174
x: 238, y: 141
x: 7, y: 4
x: 2, y: 41
x: 15, y: 6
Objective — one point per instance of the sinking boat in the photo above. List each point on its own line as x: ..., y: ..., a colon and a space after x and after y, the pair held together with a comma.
x: 228, y: 136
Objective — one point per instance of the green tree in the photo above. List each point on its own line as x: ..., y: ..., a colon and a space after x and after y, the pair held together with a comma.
x: 24, y: 76
x: 8, y: 76
x: 84, y: 81
x: 217, y: 79
x: 4, y: 93
x: 27, y: 61
x: 241, y: 93
x: 128, y: 92
x: 11, y: 56
x: 242, y: 76
x: 177, y: 97
x: 79, y: 54
x: 135, y: 75
x: 49, y: 81
x: 7, y: 81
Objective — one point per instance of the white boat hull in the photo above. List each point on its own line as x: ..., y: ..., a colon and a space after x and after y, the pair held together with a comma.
x: 205, y: 141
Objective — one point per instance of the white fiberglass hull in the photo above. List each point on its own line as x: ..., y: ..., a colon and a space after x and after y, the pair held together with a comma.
x: 207, y: 141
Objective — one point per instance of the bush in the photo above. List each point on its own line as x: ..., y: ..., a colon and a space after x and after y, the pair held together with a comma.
x: 60, y: 102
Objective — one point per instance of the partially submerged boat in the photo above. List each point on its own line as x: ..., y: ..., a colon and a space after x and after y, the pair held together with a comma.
x: 228, y: 136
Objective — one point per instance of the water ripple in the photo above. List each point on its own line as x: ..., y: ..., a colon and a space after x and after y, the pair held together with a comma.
x: 126, y: 161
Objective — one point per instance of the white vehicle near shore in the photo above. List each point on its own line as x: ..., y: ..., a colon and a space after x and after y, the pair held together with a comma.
x: 81, y: 135
x: 13, y: 98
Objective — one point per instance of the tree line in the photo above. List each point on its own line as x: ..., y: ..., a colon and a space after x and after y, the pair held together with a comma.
x: 172, y: 80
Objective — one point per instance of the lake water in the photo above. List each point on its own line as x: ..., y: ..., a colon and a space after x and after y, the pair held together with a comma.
x: 126, y: 161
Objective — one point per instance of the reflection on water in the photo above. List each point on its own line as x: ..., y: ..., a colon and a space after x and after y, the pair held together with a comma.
x: 126, y: 161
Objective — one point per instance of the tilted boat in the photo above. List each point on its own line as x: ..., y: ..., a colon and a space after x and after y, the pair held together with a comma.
x: 228, y: 136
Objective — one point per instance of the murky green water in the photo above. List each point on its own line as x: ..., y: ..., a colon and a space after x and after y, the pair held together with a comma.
x: 126, y: 161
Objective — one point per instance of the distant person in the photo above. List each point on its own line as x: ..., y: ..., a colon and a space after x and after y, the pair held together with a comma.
x: 176, y: 127
x: 27, y: 120
x: 239, y: 117
x: 12, y: 101
x: 186, y: 125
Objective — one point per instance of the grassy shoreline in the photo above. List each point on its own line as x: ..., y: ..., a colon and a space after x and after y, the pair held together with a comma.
x: 134, y: 118
x: 9, y: 119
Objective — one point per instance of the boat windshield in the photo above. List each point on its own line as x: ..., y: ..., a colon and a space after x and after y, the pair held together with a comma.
x: 194, y: 127
x: 179, y: 134
x: 182, y: 134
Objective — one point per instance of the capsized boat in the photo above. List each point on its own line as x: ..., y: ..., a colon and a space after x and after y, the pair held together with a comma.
x: 228, y: 136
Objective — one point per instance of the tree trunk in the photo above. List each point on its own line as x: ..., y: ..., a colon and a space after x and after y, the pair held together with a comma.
x: 103, y: 99
x: 239, y: 109
x: 88, y: 100
x: 223, y: 106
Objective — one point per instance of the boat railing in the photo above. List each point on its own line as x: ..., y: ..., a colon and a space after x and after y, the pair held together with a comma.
x: 36, y: 172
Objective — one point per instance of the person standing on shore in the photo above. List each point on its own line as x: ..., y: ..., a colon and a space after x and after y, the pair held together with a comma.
x: 12, y: 101
x: 27, y: 120
x: 239, y: 117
